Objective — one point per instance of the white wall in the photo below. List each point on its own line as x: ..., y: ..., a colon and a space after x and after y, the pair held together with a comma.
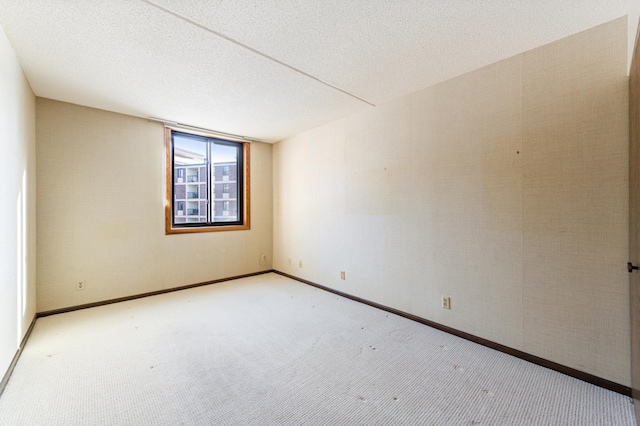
x: 633, y: 20
x: 17, y: 195
x: 101, y: 191
x: 505, y: 189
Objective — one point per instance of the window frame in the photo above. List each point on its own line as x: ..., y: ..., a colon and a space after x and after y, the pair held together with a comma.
x: 244, y: 193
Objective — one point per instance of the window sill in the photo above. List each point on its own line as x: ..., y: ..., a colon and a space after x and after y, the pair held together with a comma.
x: 193, y: 230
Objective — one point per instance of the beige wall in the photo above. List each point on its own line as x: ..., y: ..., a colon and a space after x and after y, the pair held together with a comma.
x: 505, y: 189
x: 101, y: 212
x: 17, y: 195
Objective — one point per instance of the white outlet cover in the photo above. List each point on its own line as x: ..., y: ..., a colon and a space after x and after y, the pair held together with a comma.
x: 446, y: 302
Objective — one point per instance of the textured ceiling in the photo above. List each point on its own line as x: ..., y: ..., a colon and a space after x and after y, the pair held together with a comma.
x: 271, y: 68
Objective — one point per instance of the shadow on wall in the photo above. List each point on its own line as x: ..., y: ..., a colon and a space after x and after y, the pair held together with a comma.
x: 21, y: 255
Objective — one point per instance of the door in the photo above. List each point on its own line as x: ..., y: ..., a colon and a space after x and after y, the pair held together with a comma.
x: 634, y: 225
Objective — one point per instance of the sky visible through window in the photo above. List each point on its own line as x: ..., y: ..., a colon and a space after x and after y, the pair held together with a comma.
x: 193, y: 151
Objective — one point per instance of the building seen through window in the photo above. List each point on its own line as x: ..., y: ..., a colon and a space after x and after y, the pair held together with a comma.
x: 207, y: 181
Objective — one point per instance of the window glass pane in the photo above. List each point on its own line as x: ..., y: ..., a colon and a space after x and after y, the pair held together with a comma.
x: 190, y: 166
x: 224, y: 159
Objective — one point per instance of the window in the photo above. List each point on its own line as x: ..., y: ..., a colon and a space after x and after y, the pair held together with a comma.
x: 207, y: 161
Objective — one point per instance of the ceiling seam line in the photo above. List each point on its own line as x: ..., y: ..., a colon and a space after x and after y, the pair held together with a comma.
x: 251, y: 49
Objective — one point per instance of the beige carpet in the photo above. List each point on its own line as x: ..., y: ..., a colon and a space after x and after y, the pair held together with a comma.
x: 268, y: 350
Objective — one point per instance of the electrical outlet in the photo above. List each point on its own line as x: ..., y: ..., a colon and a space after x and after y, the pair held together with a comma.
x: 80, y: 285
x: 263, y: 259
x: 446, y: 302
x: 300, y: 264
x: 342, y: 275
x: 289, y: 262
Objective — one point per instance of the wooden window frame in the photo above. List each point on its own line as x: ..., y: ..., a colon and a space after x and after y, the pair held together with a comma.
x: 168, y: 205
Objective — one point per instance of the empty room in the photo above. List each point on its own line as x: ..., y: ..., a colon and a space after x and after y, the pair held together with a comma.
x: 319, y: 213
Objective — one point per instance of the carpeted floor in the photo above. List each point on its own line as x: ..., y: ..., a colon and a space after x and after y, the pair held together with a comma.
x: 268, y: 350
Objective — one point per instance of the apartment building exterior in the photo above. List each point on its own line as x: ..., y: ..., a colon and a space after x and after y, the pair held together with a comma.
x: 191, y: 191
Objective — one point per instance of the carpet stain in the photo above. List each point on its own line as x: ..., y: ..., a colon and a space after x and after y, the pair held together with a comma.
x: 400, y: 336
